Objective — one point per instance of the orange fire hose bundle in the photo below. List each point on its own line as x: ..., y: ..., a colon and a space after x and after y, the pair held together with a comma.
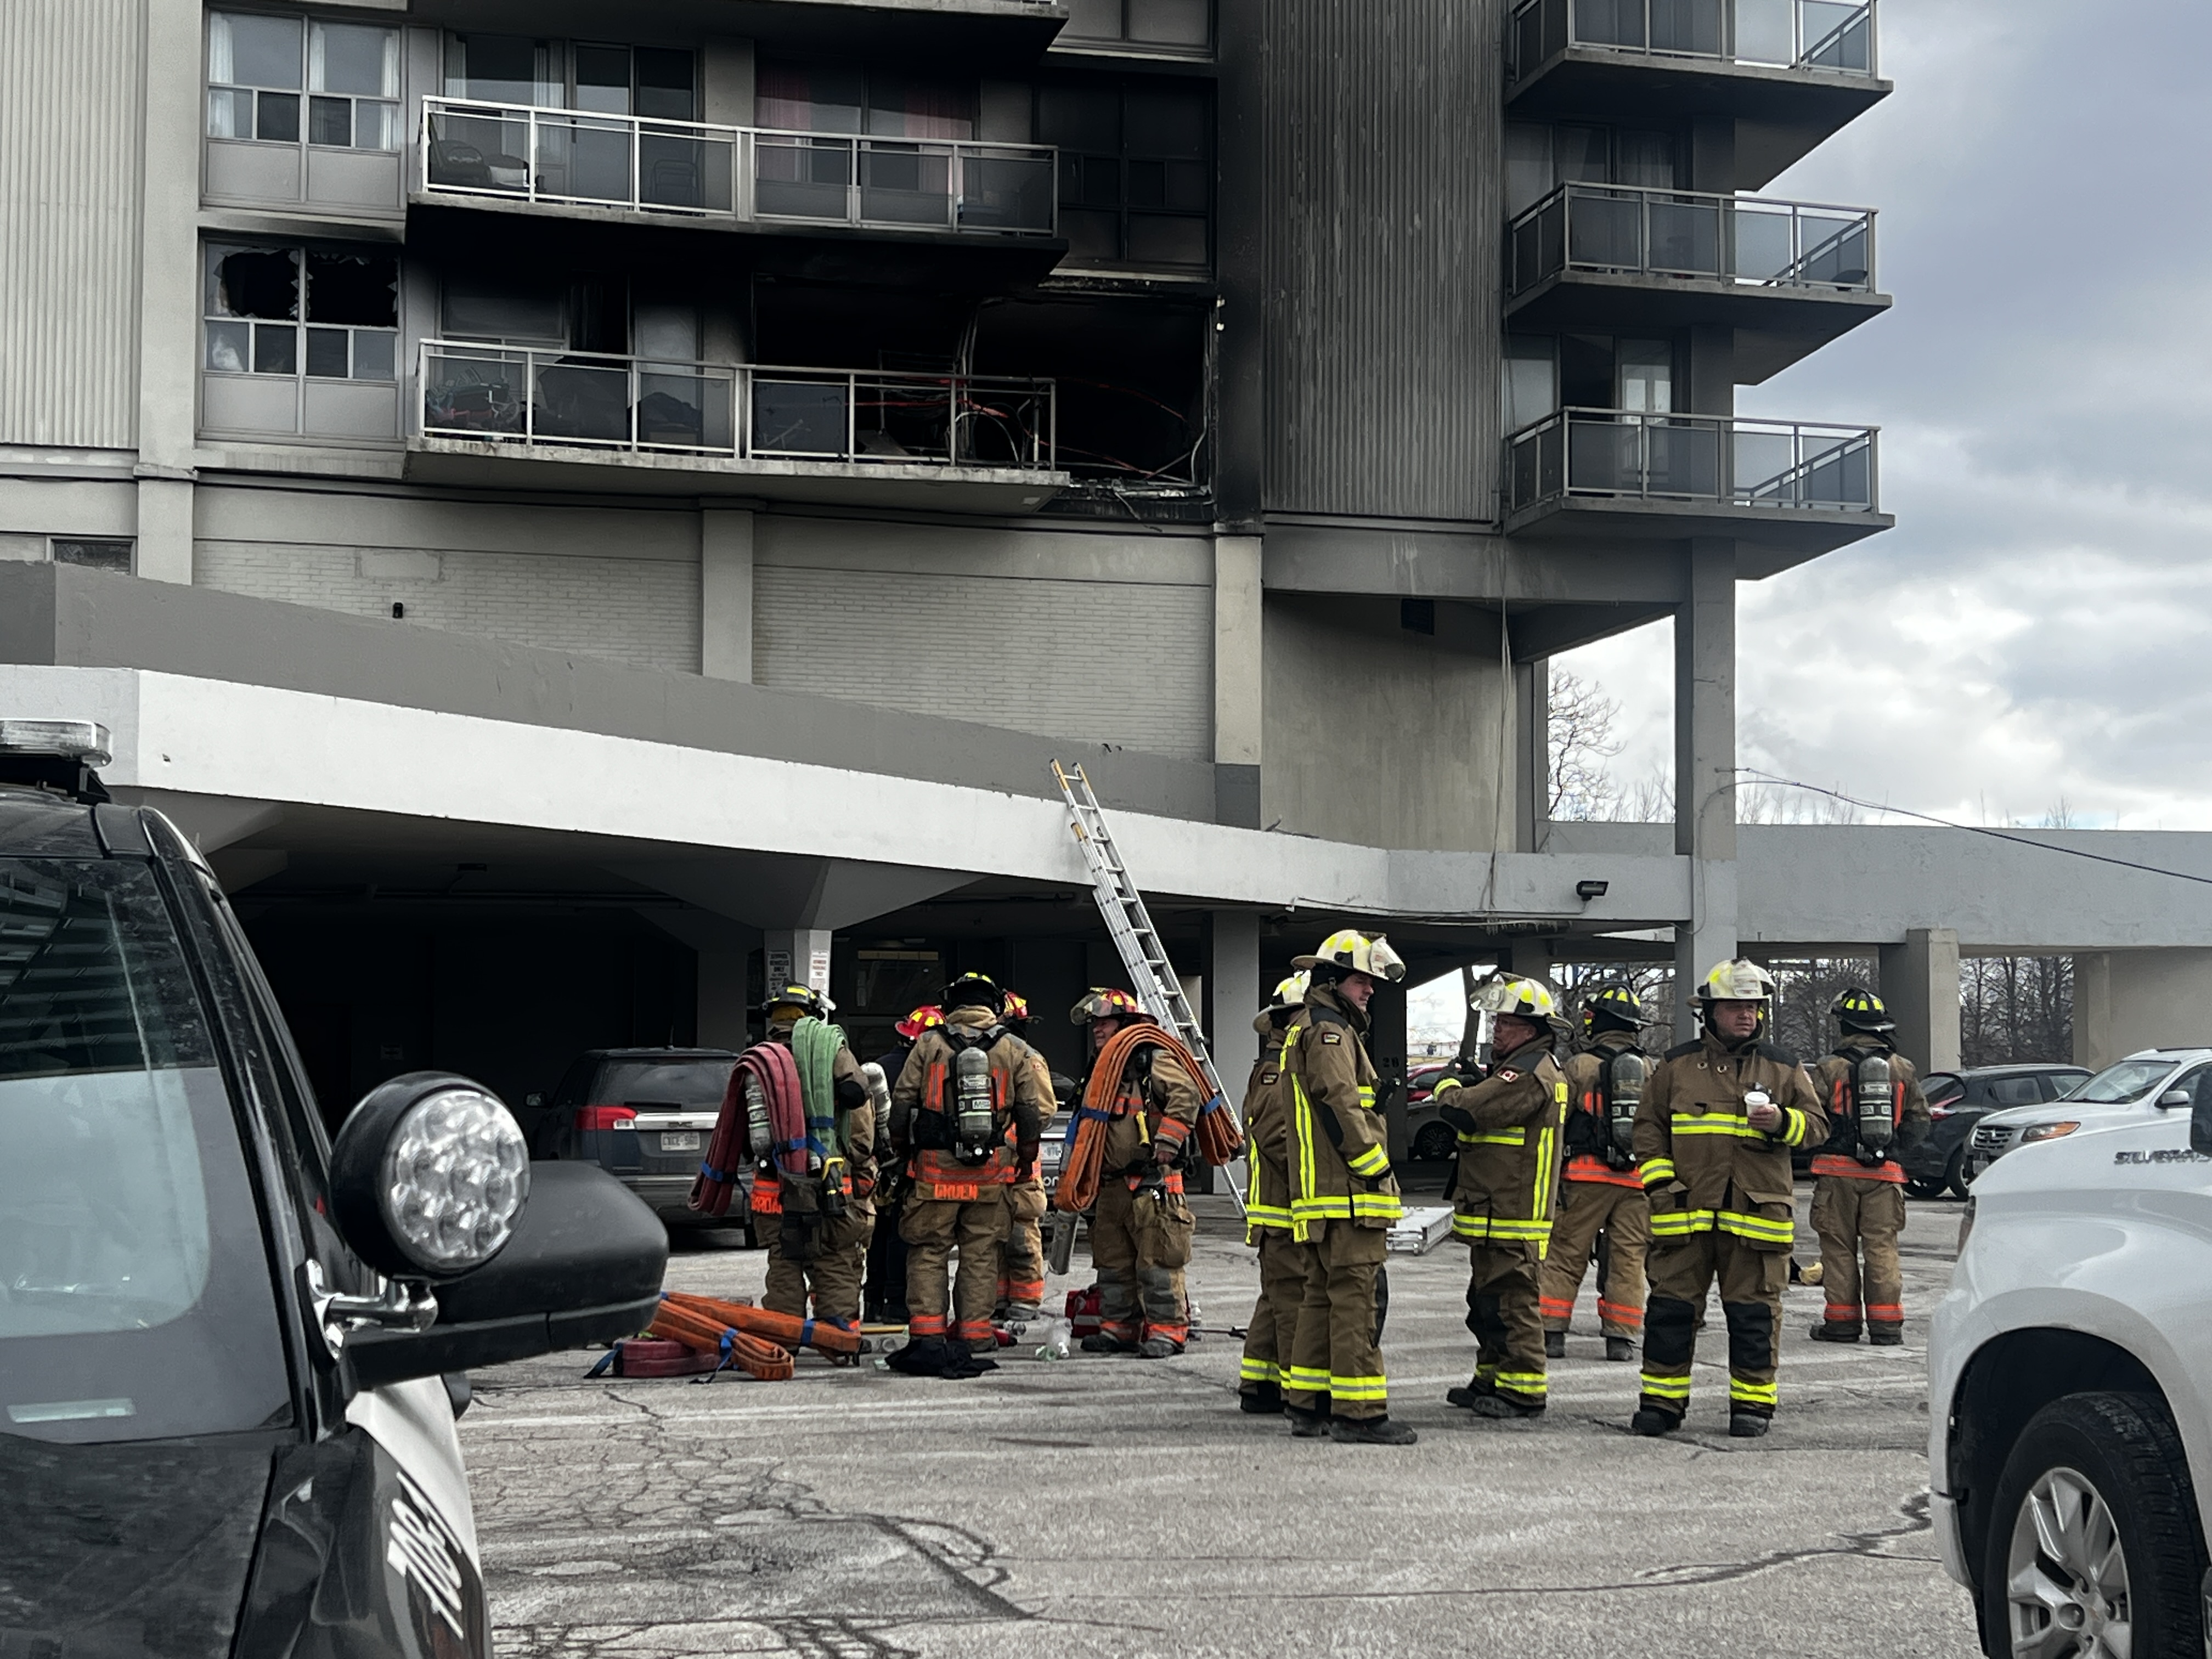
x: 789, y: 1330
x: 1220, y: 1138
x: 767, y: 1360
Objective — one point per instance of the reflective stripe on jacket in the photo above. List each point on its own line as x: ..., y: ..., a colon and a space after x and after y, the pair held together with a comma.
x: 1508, y: 1183
x: 1267, y: 1138
x: 1705, y: 1168
x: 925, y: 1084
x: 1341, y: 1162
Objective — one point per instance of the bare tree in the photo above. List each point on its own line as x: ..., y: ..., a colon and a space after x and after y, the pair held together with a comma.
x: 1579, y: 734
x: 2015, y: 1008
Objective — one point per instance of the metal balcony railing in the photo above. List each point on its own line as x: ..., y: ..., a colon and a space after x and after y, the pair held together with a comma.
x: 1621, y: 228
x: 563, y: 158
x: 1836, y: 35
x: 529, y: 396
x: 1622, y: 454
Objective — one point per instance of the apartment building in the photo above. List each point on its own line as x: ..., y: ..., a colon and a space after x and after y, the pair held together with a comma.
x: 586, y: 508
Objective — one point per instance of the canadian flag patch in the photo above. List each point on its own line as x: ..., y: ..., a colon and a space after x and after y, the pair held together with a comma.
x: 1509, y: 1077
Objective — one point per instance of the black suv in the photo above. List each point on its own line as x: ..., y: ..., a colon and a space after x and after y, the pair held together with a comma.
x: 1959, y: 1100
x: 224, y: 1425
x: 645, y: 1116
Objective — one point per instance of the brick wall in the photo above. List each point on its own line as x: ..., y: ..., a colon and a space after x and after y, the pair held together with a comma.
x: 637, y: 610
x: 1111, y: 661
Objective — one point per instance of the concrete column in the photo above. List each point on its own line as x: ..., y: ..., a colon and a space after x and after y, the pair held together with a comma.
x: 1532, y: 753
x: 725, y: 594
x: 1531, y: 959
x: 1920, y: 983
x: 796, y: 956
x: 727, y: 77
x: 2127, y: 1000
x: 1234, y: 992
x: 169, y: 293
x: 1237, y: 680
x: 2092, y: 1011
x: 1705, y: 763
x: 721, y: 996
x: 1712, y: 154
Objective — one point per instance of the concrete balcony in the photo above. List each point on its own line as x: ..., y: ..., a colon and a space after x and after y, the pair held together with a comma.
x: 1788, y: 276
x: 523, y: 418
x: 1791, y: 73
x: 621, y: 169
x: 1798, y: 488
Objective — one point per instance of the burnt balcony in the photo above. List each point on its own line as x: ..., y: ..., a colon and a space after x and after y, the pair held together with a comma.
x: 1788, y: 276
x: 1790, y: 72
x: 568, y: 163
x: 523, y: 415
x: 1798, y: 487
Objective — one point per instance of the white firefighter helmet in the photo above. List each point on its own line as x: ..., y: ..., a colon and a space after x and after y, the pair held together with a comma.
x: 1292, y: 993
x: 1737, y: 981
x: 1509, y: 993
x: 1347, y: 950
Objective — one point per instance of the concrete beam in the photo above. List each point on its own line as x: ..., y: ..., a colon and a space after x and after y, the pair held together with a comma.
x: 1423, y: 562
x: 1920, y: 983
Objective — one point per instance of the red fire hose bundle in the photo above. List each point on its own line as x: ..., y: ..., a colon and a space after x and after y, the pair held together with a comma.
x: 730, y: 1149
x: 788, y: 1329
x: 1219, y: 1139
x: 767, y: 1360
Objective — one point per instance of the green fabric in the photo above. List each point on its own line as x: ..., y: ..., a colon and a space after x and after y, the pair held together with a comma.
x: 814, y: 1045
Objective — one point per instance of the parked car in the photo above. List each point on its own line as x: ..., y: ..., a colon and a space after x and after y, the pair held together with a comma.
x: 1430, y: 1138
x: 645, y: 1115
x: 1959, y: 1100
x: 2144, y: 1085
x: 224, y: 1338
x: 2070, y: 1384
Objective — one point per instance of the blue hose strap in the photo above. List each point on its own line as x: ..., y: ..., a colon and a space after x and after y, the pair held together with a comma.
x: 713, y: 1174
x: 605, y: 1364
x: 1212, y: 1105
x: 729, y: 1341
x: 1095, y: 1114
x: 806, y: 1334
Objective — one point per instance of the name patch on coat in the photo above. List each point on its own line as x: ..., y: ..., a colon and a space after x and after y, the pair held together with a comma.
x: 1330, y: 1037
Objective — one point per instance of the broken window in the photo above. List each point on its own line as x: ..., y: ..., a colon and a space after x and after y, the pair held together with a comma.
x: 259, y: 69
x: 333, y: 314
x: 1135, y: 170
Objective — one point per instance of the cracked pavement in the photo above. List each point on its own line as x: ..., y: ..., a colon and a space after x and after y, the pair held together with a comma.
x: 1113, y: 1506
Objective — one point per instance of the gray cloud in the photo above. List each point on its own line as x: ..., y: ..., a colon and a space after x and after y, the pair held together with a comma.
x: 2031, y: 630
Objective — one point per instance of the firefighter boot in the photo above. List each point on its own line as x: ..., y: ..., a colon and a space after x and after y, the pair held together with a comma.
x: 1506, y: 1407
x: 1158, y: 1347
x: 1306, y: 1424
x: 1555, y: 1345
x: 1746, y: 1426
x: 1099, y: 1342
x: 1261, y: 1400
x: 1650, y: 1420
x: 1827, y: 1331
x: 1479, y: 1387
x: 1621, y: 1347
x: 1886, y: 1336
x: 1370, y: 1431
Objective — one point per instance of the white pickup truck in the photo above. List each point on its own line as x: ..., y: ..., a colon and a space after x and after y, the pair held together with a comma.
x: 2070, y: 1393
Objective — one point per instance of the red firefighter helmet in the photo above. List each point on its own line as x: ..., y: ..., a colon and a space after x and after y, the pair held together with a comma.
x: 927, y: 1017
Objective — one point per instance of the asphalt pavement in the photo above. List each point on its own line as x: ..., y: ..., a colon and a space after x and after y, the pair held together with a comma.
x: 1113, y: 1506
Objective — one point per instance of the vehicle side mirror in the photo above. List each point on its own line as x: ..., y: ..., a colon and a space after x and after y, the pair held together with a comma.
x: 2173, y: 1097
x: 2200, y: 1125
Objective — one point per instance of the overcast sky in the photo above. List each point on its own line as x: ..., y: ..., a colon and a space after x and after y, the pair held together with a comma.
x: 2034, y: 630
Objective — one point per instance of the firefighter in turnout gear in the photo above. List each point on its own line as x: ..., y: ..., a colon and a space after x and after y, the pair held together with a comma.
x: 817, y: 1228
x: 1600, y: 1191
x: 1343, y: 1196
x: 1507, y: 1120
x: 1141, y: 1229
x: 1021, y: 1259
x: 1713, y: 1135
x: 964, y: 1117
x: 1876, y: 1110
x: 1273, y: 1333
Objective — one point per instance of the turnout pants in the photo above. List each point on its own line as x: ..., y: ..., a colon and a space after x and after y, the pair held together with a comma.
x: 1501, y: 1310
x: 1270, y: 1339
x: 1751, y: 1282
x: 1335, y: 1362
x: 1623, y: 1214
x: 1855, y: 1218
x: 1021, y: 1258
x: 933, y: 1229
x: 1139, y: 1245
x: 885, y: 1287
x: 834, y: 1275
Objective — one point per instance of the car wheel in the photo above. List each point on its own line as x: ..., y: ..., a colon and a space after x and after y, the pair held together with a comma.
x: 1435, y: 1143
x: 2094, y: 1546
x: 1955, y: 1173
x: 1922, y: 1187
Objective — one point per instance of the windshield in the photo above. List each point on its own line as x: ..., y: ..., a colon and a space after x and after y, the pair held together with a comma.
x: 135, y: 1297
x: 2117, y: 1086
x: 696, y: 1084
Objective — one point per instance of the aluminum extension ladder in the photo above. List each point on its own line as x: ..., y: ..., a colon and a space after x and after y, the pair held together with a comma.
x: 1151, y: 975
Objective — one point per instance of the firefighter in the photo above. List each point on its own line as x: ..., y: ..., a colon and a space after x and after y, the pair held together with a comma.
x: 1273, y: 1333
x: 1600, y: 1191
x: 886, y: 1282
x: 964, y: 1120
x: 1713, y: 1134
x: 1021, y: 1259
x: 819, y: 1240
x: 1343, y: 1196
x: 1140, y: 1229
x: 1876, y: 1110
x: 1508, y: 1122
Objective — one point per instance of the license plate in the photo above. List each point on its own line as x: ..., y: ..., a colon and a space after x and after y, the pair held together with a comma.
x: 679, y: 1140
